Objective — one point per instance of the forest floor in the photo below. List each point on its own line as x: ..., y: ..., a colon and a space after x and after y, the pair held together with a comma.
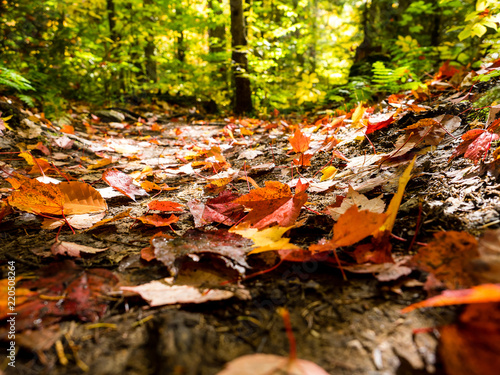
x: 80, y: 316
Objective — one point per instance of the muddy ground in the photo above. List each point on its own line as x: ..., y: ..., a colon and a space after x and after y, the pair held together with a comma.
x: 346, y: 327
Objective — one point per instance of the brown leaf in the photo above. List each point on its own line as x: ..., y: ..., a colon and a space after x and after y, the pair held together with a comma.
x: 447, y: 257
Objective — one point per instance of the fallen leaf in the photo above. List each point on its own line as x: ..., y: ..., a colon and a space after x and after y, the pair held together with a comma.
x: 37, y: 198
x: 471, y: 346
x: 300, y: 142
x: 82, y: 221
x: 165, y: 206
x: 73, y: 249
x: 22, y: 294
x: 123, y: 183
x: 392, y: 210
x: 457, y: 249
x: 81, y: 198
x: 379, y: 121
x: 272, y: 204
x: 64, y: 290
x: 157, y: 220
x: 477, y: 294
x: 353, y: 198
x: 270, y: 364
x: 355, y: 225
x: 194, y: 244
x: 267, y: 239
x: 221, y: 209
x: 158, y: 293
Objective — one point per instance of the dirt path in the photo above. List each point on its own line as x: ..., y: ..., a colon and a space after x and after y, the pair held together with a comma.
x: 347, y: 327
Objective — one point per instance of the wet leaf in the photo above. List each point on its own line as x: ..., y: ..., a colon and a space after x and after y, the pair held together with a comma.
x: 123, y: 183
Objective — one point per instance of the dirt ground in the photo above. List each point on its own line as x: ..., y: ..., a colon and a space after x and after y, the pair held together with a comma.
x: 346, y: 327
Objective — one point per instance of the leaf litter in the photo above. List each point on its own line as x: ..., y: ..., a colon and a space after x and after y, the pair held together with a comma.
x: 231, y: 216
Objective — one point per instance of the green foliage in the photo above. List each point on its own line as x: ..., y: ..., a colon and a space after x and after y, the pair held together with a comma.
x: 12, y: 80
x: 393, y: 80
x: 299, y: 51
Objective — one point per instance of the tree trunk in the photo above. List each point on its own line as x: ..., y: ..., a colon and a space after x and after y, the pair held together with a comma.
x: 110, y: 6
x: 243, y: 92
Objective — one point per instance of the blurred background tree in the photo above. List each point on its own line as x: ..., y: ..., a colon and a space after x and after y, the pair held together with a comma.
x: 299, y: 53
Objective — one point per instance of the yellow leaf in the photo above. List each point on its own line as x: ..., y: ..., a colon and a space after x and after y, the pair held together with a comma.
x: 393, y: 208
x: 268, y: 239
x: 328, y: 173
x: 357, y: 115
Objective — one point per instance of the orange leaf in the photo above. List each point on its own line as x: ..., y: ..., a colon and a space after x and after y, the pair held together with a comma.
x: 457, y: 249
x: 81, y: 198
x: 68, y: 129
x: 165, y: 206
x: 299, y: 142
x: 355, y: 225
x: 38, y: 198
x: 157, y: 220
x: 477, y: 294
x: 272, y: 204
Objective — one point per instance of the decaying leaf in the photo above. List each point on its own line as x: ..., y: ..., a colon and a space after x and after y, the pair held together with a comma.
x: 458, y: 249
x: 38, y: 198
x: 194, y: 244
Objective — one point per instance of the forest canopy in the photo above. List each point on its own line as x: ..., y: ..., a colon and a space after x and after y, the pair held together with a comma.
x: 266, y: 54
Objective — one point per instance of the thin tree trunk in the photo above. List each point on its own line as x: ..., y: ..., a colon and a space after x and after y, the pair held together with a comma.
x: 243, y: 92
